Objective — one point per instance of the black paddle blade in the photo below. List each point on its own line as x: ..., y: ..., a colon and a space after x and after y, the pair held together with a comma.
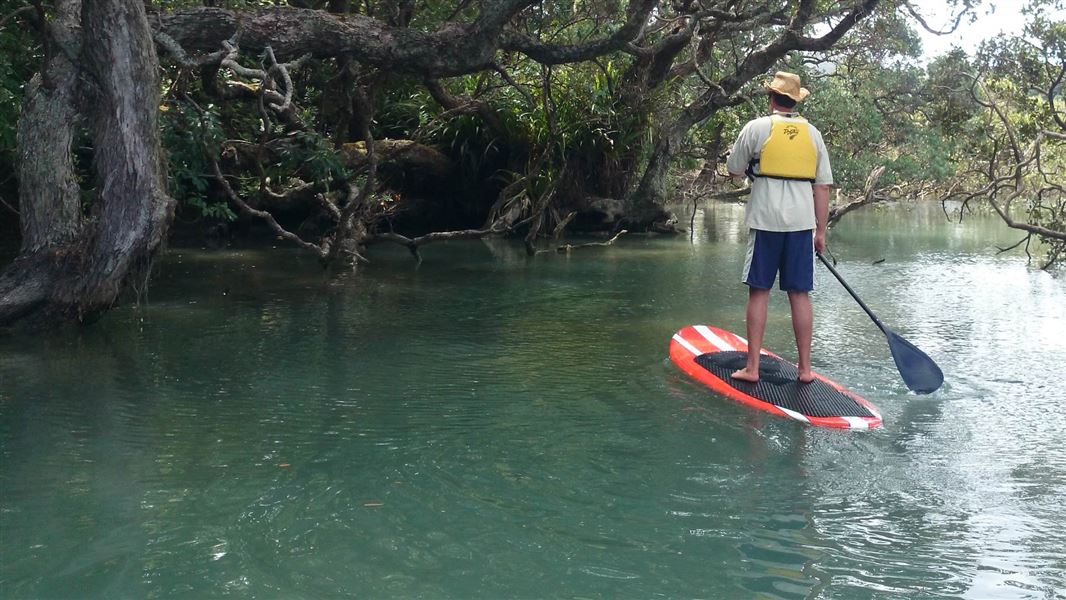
x: 919, y: 372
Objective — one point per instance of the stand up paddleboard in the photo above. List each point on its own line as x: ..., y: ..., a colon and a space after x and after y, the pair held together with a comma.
x: 710, y: 355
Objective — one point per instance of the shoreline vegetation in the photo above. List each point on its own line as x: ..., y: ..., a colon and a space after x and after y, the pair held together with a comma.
x: 337, y: 125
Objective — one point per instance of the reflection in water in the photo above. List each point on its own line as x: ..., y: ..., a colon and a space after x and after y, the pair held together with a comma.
x: 488, y: 425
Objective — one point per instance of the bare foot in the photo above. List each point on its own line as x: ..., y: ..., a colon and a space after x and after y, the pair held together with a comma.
x: 745, y: 375
x: 806, y: 377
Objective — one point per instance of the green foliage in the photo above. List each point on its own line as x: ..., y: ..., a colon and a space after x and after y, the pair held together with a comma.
x: 187, y: 135
x: 197, y: 127
x: 313, y: 156
x: 603, y: 140
x: 579, y: 129
x: 1013, y: 89
x: 873, y: 117
x: 586, y: 128
x: 946, y: 102
x: 22, y: 57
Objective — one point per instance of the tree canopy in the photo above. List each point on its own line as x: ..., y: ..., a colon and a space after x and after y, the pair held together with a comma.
x: 339, y: 124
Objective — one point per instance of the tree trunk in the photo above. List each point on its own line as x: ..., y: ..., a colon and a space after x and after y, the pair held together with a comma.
x: 68, y: 268
x: 645, y: 204
x: 49, y: 199
x: 50, y: 203
x: 133, y: 210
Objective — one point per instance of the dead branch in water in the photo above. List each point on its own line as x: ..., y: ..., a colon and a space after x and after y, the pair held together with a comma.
x: 870, y: 195
x: 567, y: 248
x: 413, y: 244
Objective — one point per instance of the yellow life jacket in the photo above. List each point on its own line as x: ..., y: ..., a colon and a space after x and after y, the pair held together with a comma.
x: 789, y: 152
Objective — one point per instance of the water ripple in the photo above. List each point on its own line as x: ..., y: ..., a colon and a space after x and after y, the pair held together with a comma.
x: 485, y: 428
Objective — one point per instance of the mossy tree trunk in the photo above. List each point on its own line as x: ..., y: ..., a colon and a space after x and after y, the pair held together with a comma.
x: 75, y: 263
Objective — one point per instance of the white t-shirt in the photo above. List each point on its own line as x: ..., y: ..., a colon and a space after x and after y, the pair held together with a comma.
x: 778, y: 204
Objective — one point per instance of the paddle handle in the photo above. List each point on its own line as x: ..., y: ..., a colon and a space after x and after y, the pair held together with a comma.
x: 852, y: 292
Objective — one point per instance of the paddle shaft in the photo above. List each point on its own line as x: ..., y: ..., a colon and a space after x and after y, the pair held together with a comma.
x: 919, y: 372
x: 853, y: 294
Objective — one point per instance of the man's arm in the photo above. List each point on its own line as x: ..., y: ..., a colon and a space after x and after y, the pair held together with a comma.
x: 821, y: 215
x: 737, y: 161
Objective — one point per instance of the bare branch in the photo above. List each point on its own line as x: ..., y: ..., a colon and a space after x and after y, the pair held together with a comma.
x: 870, y: 195
x: 8, y: 206
x: 245, y: 208
x: 18, y: 11
x: 454, y: 49
x: 178, y: 53
x: 730, y: 196
x: 347, y: 226
x: 917, y: 16
x: 568, y: 248
x: 552, y: 54
x: 413, y: 244
x: 1013, y: 182
x: 507, y: 77
x: 1024, y: 240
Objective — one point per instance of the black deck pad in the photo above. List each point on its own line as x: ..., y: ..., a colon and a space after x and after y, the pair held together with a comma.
x: 779, y: 385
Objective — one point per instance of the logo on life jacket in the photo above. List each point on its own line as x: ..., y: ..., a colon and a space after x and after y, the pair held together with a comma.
x: 789, y: 152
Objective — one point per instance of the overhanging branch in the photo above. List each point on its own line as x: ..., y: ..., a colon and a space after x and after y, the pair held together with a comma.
x: 453, y: 49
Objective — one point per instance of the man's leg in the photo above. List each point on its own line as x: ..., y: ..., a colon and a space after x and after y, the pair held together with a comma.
x: 803, y: 327
x: 760, y: 270
x: 797, y: 278
x: 758, y: 301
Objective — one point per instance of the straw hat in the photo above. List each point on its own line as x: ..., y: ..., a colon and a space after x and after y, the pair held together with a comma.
x: 788, y: 84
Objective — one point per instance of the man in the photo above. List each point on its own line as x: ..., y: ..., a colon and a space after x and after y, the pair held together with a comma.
x: 786, y: 215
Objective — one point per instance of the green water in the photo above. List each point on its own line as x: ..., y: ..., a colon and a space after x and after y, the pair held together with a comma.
x: 489, y: 426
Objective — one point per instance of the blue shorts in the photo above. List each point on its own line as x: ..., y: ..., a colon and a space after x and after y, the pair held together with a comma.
x: 790, y: 252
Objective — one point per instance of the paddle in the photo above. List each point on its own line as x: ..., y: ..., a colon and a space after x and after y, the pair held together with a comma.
x: 919, y: 372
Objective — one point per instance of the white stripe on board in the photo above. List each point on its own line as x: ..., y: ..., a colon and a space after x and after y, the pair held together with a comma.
x: 857, y: 423
x: 795, y: 415
x: 713, y: 338
x: 688, y: 346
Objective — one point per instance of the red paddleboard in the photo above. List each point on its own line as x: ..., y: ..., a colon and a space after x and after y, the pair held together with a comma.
x: 709, y: 355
